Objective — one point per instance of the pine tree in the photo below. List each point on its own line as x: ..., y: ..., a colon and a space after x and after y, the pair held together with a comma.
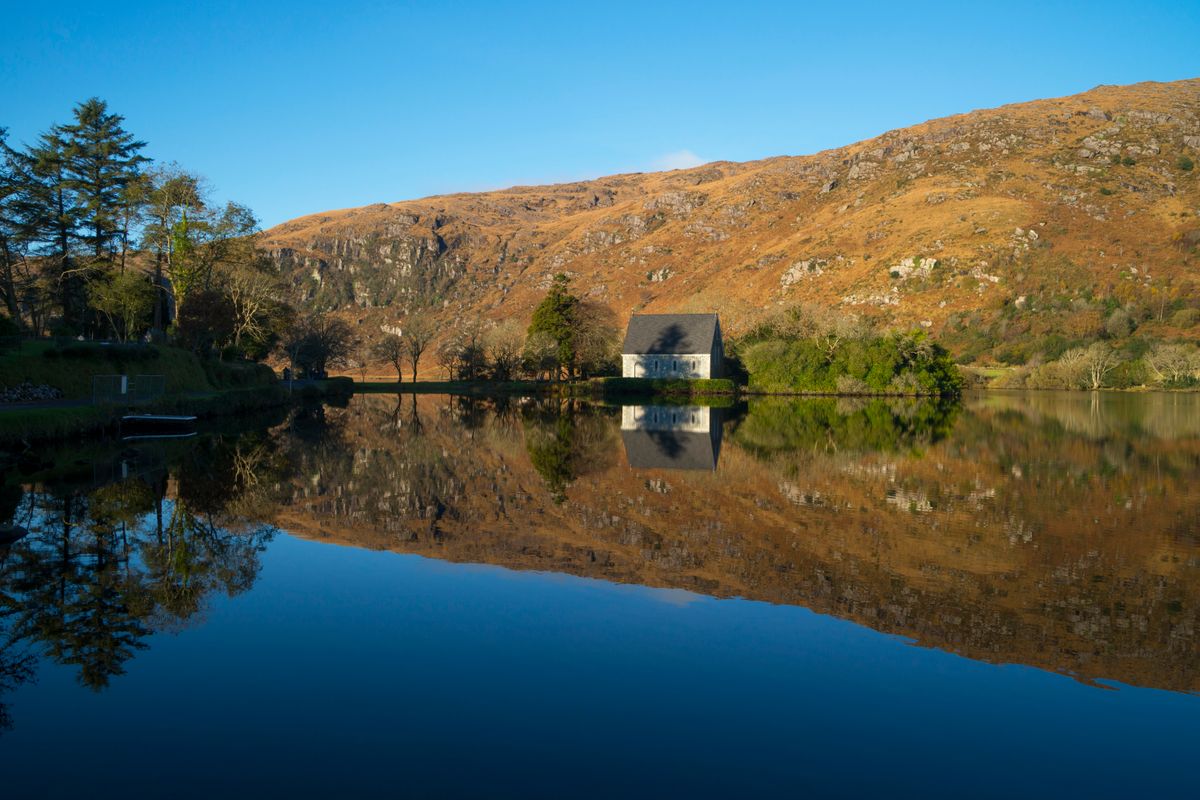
x: 555, y: 317
x: 10, y: 250
x: 48, y: 219
x: 101, y: 160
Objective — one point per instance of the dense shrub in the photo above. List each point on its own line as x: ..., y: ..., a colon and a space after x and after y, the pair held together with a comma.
x: 1133, y: 372
x: 895, y: 364
x: 1013, y: 356
x: 1185, y: 317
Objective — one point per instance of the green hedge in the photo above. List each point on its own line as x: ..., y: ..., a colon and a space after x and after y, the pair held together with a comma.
x: 650, y: 387
x: 112, y: 352
x: 887, y: 365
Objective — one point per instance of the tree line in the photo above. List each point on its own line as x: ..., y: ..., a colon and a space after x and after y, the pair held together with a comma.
x: 99, y: 241
x: 568, y: 337
x: 1170, y: 365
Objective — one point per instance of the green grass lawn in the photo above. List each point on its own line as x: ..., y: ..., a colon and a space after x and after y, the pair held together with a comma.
x: 23, y: 425
x: 71, y: 369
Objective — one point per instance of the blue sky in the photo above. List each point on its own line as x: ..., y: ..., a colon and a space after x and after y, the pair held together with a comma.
x: 301, y: 107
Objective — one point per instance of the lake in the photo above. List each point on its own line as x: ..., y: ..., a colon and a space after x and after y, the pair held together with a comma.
x: 445, y: 596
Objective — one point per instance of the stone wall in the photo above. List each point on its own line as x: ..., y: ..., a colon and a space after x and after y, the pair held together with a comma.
x: 675, y: 365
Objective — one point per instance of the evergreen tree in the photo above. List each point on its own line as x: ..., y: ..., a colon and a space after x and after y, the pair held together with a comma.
x: 101, y: 160
x: 555, y: 317
x: 45, y: 219
x: 10, y: 251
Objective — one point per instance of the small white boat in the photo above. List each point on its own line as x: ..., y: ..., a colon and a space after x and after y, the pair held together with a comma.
x: 156, y: 419
x: 141, y: 437
x: 156, y: 426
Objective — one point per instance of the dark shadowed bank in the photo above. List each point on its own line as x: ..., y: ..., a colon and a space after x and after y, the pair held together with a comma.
x: 24, y: 426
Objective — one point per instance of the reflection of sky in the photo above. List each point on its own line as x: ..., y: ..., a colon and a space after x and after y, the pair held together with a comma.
x: 351, y: 671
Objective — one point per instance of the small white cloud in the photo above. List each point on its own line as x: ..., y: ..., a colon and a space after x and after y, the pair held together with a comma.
x: 680, y: 159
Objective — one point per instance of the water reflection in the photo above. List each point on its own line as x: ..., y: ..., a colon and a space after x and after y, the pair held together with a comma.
x: 124, y: 543
x: 1059, y: 532
x: 671, y: 437
x: 994, y: 532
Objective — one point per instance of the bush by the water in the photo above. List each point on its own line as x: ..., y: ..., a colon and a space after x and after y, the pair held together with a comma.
x: 895, y: 364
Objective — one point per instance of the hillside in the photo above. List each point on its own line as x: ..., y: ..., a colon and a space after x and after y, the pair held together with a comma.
x: 993, y: 228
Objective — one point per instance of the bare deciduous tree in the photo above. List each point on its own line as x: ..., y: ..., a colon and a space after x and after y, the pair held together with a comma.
x: 1174, y: 363
x: 1088, y: 367
x: 503, y: 345
x: 318, y: 342
x: 392, y: 349
x: 540, y: 355
x: 254, y: 291
x: 417, y: 331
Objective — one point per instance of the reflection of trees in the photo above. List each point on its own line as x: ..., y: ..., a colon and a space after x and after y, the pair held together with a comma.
x: 66, y: 589
x: 567, y: 441
x: 775, y: 426
x: 16, y: 663
x: 102, y: 569
x: 380, y: 461
x: 1097, y: 415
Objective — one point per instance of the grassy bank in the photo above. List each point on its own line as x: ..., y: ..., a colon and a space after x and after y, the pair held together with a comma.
x: 191, y: 385
x: 71, y: 367
x: 659, y: 388
x: 610, y: 388
x: 23, y: 426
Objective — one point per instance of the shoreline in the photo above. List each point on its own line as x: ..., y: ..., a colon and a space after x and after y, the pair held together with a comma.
x: 25, y: 425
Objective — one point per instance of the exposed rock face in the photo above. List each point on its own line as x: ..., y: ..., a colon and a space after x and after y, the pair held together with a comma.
x: 1093, y: 180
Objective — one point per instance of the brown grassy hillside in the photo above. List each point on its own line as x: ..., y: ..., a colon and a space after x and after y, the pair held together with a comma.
x: 991, y: 228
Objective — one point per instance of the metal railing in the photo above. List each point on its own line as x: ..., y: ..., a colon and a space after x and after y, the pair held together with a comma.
x: 125, y: 390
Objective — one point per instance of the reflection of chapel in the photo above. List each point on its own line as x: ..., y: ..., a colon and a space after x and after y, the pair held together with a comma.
x: 671, y: 437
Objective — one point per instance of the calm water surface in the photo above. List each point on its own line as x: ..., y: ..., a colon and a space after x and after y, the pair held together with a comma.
x: 432, y: 596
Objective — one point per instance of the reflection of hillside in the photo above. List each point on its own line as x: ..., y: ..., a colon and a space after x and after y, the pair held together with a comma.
x: 1166, y: 415
x: 997, y: 541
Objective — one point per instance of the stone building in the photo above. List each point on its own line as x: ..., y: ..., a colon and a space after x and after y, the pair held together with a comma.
x: 673, y: 346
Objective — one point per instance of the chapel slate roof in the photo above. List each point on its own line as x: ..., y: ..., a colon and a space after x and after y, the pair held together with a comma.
x: 670, y: 333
